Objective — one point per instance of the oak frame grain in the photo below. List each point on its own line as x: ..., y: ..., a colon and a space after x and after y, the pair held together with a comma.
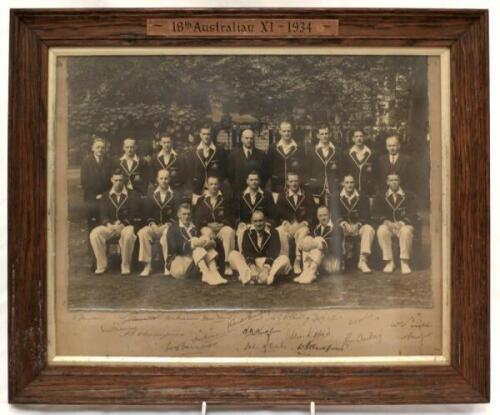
x: 465, y: 380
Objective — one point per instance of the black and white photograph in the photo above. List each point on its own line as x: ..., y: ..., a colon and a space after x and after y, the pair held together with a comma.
x: 248, y: 181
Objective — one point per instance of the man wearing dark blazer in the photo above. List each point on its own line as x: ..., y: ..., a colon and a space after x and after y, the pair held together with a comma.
x: 94, y: 177
x: 188, y: 248
x: 168, y: 159
x: 395, y: 212
x: 285, y: 156
x: 360, y: 162
x: 352, y: 214
x: 120, y: 218
x: 322, y: 250
x: 295, y: 212
x: 135, y: 168
x: 248, y: 201
x: 324, y: 167
x: 245, y: 159
x: 160, y: 210
x: 207, y: 159
x: 395, y: 162
x: 260, y: 259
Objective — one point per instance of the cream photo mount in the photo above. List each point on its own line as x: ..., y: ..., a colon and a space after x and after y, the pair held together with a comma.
x: 56, y: 165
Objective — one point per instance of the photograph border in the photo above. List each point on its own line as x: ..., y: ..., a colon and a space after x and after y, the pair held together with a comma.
x: 464, y: 379
x: 444, y: 203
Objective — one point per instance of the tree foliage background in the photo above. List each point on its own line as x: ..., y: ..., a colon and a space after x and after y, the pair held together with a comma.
x: 138, y: 96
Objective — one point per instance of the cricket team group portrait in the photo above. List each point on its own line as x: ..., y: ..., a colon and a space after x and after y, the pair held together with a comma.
x: 228, y: 195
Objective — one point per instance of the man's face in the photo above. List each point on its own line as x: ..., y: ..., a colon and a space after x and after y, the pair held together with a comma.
x: 184, y: 216
x: 293, y: 182
x: 163, y: 179
x: 117, y: 182
x: 358, y: 138
x: 348, y: 184
x: 253, y: 181
x: 166, y: 144
x: 205, y: 136
x: 286, y: 131
x: 129, y: 148
x: 323, y: 216
x: 392, y: 145
x: 213, y: 185
x: 98, y: 148
x: 393, y: 182
x: 258, y: 221
x: 323, y: 135
x: 247, y: 139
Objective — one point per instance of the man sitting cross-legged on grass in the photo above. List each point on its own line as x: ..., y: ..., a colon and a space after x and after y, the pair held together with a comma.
x: 188, y: 248
x: 322, y: 250
x: 260, y: 260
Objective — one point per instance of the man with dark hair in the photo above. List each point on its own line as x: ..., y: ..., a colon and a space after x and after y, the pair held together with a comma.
x: 188, y: 248
x: 284, y: 156
x: 323, y: 249
x: 359, y: 161
x: 394, y: 162
x: 160, y: 210
x: 259, y: 260
x: 168, y: 159
x: 395, y: 210
x: 295, y: 211
x: 207, y: 159
x: 324, y: 167
x: 119, y: 210
x: 136, y: 170
x: 353, y: 216
x: 245, y: 159
x: 94, y: 177
x: 247, y: 202
x: 214, y: 211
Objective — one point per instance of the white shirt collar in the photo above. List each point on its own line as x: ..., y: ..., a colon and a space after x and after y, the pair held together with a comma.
x: 399, y: 192
x: 162, y: 153
x: 299, y: 192
x: 201, y: 146
x: 320, y: 146
x: 267, y: 228
x: 207, y: 194
x: 365, y: 148
x: 123, y: 192
x: 247, y: 191
x: 330, y: 224
x: 343, y: 193
x: 135, y: 158
x: 158, y: 189
x: 283, y: 144
x: 191, y: 226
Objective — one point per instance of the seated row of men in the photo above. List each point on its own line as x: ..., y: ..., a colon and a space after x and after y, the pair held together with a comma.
x: 321, y: 168
x: 252, y: 234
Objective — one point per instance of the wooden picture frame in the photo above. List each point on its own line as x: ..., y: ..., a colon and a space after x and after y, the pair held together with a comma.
x: 464, y: 380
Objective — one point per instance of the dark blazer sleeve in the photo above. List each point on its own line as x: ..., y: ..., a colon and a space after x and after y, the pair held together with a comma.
x: 311, y: 209
x: 104, y: 210
x: 410, y: 218
x: 274, y: 248
x: 379, y: 215
x: 364, y: 211
x: 84, y: 175
x: 174, y: 243
x: 228, y: 211
x: 247, y: 249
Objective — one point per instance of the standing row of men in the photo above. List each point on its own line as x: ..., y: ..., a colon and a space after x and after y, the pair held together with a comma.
x: 292, y: 209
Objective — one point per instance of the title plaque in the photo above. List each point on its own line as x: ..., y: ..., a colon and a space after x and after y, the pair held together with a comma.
x: 178, y: 27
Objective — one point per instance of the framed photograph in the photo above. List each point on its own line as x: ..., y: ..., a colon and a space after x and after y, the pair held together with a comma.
x: 248, y: 208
